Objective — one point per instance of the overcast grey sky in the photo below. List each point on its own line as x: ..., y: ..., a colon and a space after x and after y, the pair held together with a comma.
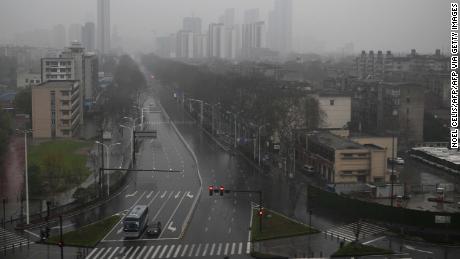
x: 318, y: 25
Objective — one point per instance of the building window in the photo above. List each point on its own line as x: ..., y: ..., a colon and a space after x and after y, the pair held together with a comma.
x: 331, y: 102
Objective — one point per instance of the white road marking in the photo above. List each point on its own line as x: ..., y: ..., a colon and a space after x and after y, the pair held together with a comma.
x: 233, y: 248
x: 240, y: 248
x: 206, y: 229
x: 174, y: 212
x: 373, y: 240
x: 163, y: 251
x: 185, y: 250
x: 191, y: 250
x: 141, y: 252
x: 205, y: 249
x: 177, y: 251
x: 131, y: 195
x: 248, y: 248
x: 189, y: 195
x: 170, y: 251
x: 92, y: 252
x: 163, y: 195
x: 177, y: 195
x: 226, y: 249
x: 156, y: 251
x: 170, y: 227
x: 114, y: 251
x: 418, y: 250
x: 119, y: 230
x: 230, y: 230
x: 161, y: 208
x: 212, y: 249
x: 149, y: 251
x: 154, y: 198
x: 209, y: 218
x: 198, y: 250
x: 219, y: 248
x: 100, y: 253
x: 127, y: 252
x: 134, y: 252
x: 148, y: 195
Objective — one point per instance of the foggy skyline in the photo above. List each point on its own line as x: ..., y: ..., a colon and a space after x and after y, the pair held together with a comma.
x: 318, y: 26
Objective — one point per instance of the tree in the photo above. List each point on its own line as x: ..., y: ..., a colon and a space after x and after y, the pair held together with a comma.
x: 5, y: 131
x: 23, y: 101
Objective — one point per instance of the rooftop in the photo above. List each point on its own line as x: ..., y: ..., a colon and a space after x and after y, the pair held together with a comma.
x: 335, y: 141
x: 450, y: 155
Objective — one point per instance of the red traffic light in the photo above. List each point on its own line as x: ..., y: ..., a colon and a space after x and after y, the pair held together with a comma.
x: 211, y: 190
x: 261, y: 212
x: 221, y: 189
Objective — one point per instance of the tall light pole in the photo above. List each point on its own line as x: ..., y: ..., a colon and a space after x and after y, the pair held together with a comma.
x: 26, y: 171
x: 392, y: 177
x: 107, y: 148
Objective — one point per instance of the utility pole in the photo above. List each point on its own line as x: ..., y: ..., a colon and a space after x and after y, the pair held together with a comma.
x: 4, y: 212
x: 61, y: 242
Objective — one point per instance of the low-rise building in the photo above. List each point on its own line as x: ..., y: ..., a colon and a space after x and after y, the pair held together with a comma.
x: 340, y: 160
x: 56, y: 109
x: 24, y: 80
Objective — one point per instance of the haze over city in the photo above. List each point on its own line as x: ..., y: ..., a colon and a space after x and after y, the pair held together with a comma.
x: 144, y: 129
x: 318, y: 26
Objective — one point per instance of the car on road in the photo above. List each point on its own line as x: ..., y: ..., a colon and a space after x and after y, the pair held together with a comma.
x: 154, y: 231
x: 308, y: 169
x: 397, y: 160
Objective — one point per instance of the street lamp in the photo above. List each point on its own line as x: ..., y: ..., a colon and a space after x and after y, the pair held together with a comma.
x: 392, y: 177
x: 108, y: 161
x: 26, y: 171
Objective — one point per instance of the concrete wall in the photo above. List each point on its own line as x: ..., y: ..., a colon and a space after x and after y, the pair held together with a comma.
x: 41, y: 113
x: 337, y: 110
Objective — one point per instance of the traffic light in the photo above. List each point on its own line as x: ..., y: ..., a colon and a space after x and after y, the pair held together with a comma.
x: 221, y: 190
x: 261, y: 212
x: 211, y: 190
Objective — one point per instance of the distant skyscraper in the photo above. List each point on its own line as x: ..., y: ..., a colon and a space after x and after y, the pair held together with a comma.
x: 252, y: 37
x: 228, y: 18
x: 103, y: 26
x: 216, y: 40
x: 74, y: 33
x: 192, y: 24
x: 59, y: 34
x: 184, y: 44
x: 88, y: 36
x: 280, y: 26
x: 251, y: 16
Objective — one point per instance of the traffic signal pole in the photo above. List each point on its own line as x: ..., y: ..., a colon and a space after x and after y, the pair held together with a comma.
x: 221, y: 190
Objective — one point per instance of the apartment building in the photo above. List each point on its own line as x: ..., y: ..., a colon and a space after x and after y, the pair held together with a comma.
x: 387, y: 108
x: 56, y: 109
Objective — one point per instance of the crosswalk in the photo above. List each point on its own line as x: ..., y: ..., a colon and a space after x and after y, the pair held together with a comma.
x: 8, y: 240
x: 347, y: 232
x: 170, y: 251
